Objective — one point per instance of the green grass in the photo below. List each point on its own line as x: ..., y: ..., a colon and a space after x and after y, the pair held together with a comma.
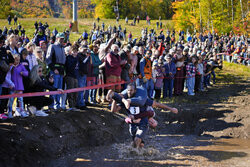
x: 237, y: 69
x: 231, y: 72
x: 84, y: 24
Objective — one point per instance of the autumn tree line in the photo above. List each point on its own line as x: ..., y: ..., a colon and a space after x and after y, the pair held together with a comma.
x: 188, y: 15
x: 211, y: 15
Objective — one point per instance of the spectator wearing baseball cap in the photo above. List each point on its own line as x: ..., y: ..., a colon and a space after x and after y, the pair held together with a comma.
x: 40, y: 36
x: 170, y: 71
x: 56, y: 59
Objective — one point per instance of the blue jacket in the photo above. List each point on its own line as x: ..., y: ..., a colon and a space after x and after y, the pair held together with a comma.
x: 85, y: 35
x: 170, y: 67
x: 96, y: 62
x: 38, y: 38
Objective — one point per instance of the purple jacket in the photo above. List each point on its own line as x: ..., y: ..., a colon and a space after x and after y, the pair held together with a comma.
x: 8, y: 82
x: 17, y: 78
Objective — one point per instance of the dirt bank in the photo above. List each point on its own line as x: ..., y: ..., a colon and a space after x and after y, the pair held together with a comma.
x: 35, y: 141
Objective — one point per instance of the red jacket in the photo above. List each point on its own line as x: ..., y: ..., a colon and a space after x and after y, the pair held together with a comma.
x: 112, y: 65
x: 161, y: 48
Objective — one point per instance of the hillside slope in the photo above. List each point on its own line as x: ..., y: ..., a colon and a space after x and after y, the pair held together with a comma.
x: 46, y: 8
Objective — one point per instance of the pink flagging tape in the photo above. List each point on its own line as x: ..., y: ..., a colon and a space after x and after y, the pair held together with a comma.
x: 60, y: 92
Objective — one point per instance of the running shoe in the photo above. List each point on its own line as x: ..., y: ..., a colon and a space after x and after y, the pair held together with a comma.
x: 24, y: 114
x: 40, y: 113
x: 3, y: 116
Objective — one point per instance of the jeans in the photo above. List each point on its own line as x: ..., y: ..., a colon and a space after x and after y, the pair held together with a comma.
x: 137, y: 82
x: 139, y: 130
x: 202, y: 82
x: 81, y: 83
x: 19, y: 100
x: 168, y: 87
x: 58, y: 83
x: 190, y: 85
x: 207, y: 80
x: 92, y: 92
x: 149, y: 85
x: 214, y: 76
x: 228, y: 58
x: 90, y: 82
x: 224, y: 57
x: 63, y: 98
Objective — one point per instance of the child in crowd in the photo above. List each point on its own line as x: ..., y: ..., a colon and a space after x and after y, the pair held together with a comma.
x: 158, y: 75
x: 190, y: 74
x: 17, y: 73
x: 199, y: 76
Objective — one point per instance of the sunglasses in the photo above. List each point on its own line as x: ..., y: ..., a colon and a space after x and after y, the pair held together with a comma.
x: 39, y: 70
x: 39, y: 52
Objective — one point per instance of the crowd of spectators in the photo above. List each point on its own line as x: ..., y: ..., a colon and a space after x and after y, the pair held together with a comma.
x: 165, y: 64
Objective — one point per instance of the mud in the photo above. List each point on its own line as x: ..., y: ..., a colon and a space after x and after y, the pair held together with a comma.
x: 35, y: 141
x: 211, y: 129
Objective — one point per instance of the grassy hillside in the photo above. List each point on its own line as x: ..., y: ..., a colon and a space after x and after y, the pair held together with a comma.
x: 231, y: 73
x: 84, y: 24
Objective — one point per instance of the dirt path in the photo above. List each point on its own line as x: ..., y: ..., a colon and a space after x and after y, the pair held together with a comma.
x: 212, y: 129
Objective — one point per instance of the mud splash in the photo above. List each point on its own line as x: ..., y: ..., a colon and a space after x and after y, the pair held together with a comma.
x: 195, y: 151
x: 127, y: 151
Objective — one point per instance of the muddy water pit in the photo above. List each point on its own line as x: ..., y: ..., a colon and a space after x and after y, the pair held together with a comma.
x: 165, y: 150
x: 213, y: 132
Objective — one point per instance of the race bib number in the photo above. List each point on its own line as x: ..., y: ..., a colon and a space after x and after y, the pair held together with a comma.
x: 134, y: 110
